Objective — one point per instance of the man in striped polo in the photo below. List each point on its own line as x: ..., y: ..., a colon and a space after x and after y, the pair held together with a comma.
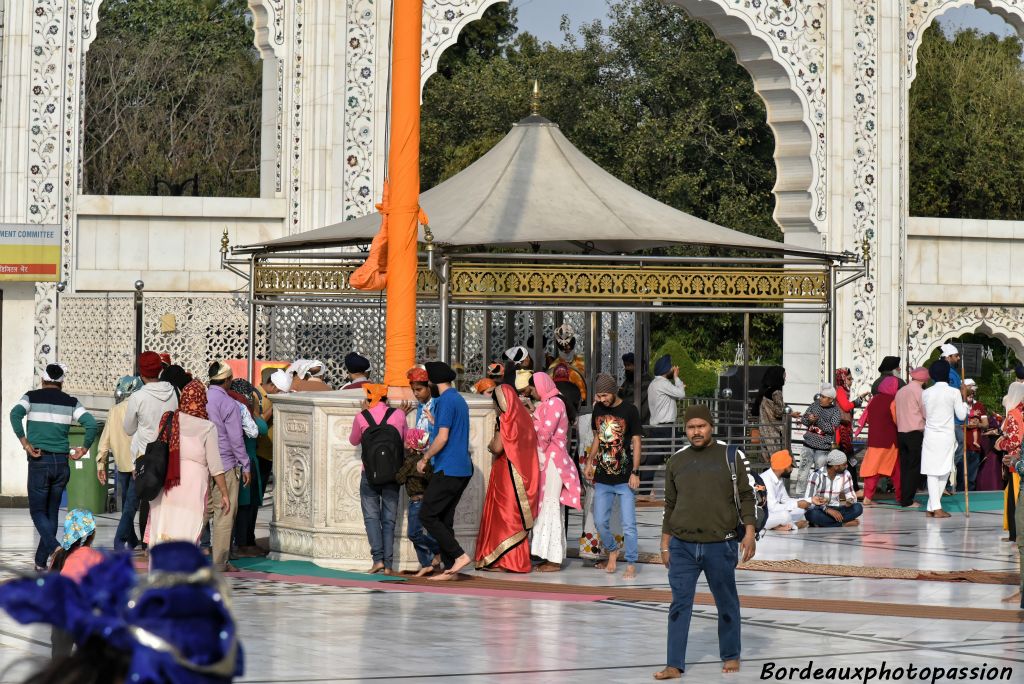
x: 50, y: 414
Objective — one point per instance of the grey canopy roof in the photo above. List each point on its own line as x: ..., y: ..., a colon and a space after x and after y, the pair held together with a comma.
x: 536, y: 188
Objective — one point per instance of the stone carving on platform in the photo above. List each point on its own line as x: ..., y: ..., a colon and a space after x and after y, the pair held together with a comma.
x: 317, y: 510
x: 296, y: 481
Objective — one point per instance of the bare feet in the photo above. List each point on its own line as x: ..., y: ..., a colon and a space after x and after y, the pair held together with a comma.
x: 548, y: 566
x: 939, y: 513
x: 1013, y: 598
x: 783, y: 528
x: 849, y: 523
x: 868, y: 502
x: 630, y: 572
x: 734, y: 665
x: 613, y: 558
x: 916, y: 504
x: 377, y: 567
x: 452, y: 572
x: 423, y: 572
x: 668, y: 673
x: 801, y: 524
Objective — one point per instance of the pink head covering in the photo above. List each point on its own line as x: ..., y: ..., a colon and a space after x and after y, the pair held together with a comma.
x: 920, y: 374
x: 889, y: 386
x: 545, y: 386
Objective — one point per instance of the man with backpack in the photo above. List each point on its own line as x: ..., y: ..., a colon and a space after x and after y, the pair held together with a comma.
x: 380, y: 432
x: 709, y: 526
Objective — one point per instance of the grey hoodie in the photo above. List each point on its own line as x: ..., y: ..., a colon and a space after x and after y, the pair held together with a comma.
x: 145, y: 408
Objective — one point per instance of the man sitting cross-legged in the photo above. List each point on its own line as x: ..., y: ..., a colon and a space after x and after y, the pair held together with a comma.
x: 784, y: 512
x: 833, y: 499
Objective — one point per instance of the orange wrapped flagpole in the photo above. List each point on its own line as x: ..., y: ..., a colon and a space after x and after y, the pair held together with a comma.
x: 401, y: 209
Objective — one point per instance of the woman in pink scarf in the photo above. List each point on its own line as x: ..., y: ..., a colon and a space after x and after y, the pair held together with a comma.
x: 559, y: 479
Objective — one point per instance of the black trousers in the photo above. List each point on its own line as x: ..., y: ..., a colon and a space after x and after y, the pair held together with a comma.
x: 437, y: 515
x: 910, y: 466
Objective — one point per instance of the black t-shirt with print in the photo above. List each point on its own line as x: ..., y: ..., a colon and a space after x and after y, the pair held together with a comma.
x: 614, y: 428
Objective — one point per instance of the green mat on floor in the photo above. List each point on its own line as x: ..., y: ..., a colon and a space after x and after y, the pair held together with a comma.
x: 980, y: 501
x: 294, y: 568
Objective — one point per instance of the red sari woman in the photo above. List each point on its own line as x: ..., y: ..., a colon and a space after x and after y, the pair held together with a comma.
x: 513, y: 492
x: 882, y: 458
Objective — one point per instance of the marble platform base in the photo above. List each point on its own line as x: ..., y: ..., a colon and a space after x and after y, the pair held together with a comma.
x: 317, y: 514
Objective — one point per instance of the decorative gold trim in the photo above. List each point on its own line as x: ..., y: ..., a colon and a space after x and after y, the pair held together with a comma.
x: 567, y: 283
x: 669, y: 284
x: 526, y: 514
x: 521, y: 495
x: 500, y: 549
x: 323, y: 280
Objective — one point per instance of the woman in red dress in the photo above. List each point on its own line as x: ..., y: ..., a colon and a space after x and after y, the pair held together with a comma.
x: 513, y: 492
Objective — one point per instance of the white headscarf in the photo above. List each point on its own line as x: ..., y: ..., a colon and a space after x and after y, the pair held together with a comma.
x: 282, y: 380
x: 1014, y: 395
x: 301, y: 368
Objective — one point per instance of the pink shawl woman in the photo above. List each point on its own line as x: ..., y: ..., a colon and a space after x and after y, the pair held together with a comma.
x: 552, y: 426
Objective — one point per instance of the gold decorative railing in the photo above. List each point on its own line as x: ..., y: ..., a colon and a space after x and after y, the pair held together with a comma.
x: 322, y: 280
x: 482, y: 281
x: 568, y: 283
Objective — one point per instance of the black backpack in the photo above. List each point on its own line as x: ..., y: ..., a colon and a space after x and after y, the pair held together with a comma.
x: 151, y: 467
x: 760, y: 495
x: 383, y: 451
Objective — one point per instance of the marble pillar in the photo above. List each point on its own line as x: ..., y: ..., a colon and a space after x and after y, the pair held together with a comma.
x: 317, y: 515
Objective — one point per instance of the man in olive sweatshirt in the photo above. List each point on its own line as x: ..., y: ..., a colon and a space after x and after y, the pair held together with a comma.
x: 700, y: 534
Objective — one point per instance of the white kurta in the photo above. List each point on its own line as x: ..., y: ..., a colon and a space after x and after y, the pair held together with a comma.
x: 941, y: 404
x: 782, y: 508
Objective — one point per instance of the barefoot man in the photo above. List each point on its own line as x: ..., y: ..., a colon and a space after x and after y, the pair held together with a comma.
x: 453, y: 469
x: 700, y: 533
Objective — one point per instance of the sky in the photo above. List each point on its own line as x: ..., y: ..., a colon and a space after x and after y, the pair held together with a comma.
x: 541, y: 17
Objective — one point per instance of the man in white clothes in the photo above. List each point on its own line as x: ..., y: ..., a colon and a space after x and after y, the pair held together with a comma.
x: 784, y: 512
x: 943, y: 405
x: 663, y: 395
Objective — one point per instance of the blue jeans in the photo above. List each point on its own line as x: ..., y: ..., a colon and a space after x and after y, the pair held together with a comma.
x: 819, y: 518
x: 604, y: 498
x: 425, y: 545
x: 380, y: 511
x: 718, y: 563
x: 125, y: 535
x: 48, y: 475
x: 973, y: 463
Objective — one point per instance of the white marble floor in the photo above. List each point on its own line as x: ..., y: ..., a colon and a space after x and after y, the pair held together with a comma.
x: 307, y: 633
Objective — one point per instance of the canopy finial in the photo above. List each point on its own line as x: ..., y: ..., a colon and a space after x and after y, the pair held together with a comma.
x: 535, y: 99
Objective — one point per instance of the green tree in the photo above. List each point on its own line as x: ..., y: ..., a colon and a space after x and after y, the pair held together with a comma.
x: 486, y: 37
x: 172, y: 90
x: 654, y: 98
x: 966, y: 109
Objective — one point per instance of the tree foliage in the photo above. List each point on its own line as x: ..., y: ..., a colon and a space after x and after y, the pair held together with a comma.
x: 966, y: 137
x: 172, y: 90
x: 652, y: 97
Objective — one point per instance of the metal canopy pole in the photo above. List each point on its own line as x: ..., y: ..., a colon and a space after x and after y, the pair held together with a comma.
x: 444, y: 341
x: 538, y: 341
x: 831, y: 317
x: 746, y: 373
x: 250, y: 347
x: 638, y: 361
x: 487, y: 339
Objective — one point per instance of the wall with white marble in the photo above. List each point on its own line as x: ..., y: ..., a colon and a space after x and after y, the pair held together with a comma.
x: 171, y: 243
x: 964, y: 261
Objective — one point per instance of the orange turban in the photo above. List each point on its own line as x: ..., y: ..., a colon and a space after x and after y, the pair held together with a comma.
x: 781, y: 460
x: 374, y: 393
x: 483, y: 385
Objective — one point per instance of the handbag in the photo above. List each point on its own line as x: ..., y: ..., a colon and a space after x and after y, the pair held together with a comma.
x: 151, y: 467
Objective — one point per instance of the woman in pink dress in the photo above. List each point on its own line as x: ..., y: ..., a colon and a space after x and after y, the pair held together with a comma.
x: 178, y: 511
x: 559, y: 479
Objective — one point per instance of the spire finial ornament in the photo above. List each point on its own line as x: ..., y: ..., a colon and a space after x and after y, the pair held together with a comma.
x: 535, y: 99
x: 224, y: 242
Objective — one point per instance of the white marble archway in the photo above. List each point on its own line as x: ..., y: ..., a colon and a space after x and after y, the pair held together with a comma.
x: 931, y: 326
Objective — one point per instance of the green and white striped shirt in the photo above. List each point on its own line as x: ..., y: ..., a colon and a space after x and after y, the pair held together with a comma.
x: 50, y: 415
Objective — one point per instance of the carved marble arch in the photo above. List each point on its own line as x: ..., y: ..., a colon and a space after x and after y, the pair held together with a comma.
x: 932, y: 326
x: 783, y: 49
x: 921, y: 15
